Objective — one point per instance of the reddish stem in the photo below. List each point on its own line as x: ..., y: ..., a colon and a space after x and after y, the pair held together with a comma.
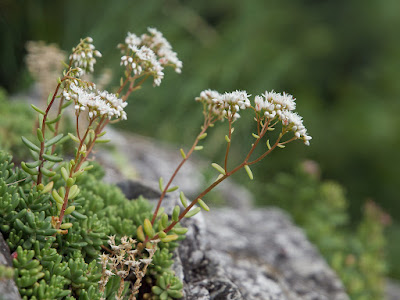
x: 204, y: 129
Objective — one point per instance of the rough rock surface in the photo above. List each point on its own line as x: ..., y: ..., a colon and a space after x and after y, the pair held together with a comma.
x: 247, y: 254
x: 147, y: 160
x: 259, y: 254
x: 8, y: 289
x: 230, y: 253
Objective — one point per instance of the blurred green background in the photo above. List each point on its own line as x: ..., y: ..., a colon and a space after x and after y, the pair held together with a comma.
x: 340, y: 59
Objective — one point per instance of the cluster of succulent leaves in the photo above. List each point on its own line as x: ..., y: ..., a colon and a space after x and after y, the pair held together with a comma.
x: 358, y: 257
x: 55, y: 266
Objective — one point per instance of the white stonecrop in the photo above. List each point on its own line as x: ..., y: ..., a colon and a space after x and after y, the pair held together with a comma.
x: 159, y: 44
x: 276, y: 105
x: 225, y: 105
x: 149, y: 54
x: 98, y: 103
x: 84, y: 56
x: 144, y: 60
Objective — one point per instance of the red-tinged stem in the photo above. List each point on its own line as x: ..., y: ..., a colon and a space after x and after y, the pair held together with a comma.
x: 213, y: 185
x: 229, y: 144
x: 133, y: 87
x: 39, y: 177
x: 53, y: 148
x: 81, y: 158
x: 204, y: 129
x: 77, y: 127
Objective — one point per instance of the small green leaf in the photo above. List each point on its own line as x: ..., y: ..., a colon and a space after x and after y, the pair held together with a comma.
x: 102, y: 141
x: 227, y: 139
x: 48, y: 187
x: 73, y: 192
x: 28, y: 170
x: 183, y: 199
x: 148, y: 228
x: 52, y: 158
x: 66, y: 226
x: 268, y: 145
x: 180, y: 231
x: 54, y: 120
x: 175, y: 294
x: 47, y: 172
x: 70, y: 182
x: 69, y: 210
x: 161, y: 184
x: 57, y: 197
x: 67, y: 103
x: 197, y: 148
x: 156, y: 290
x: 164, y: 220
x: 175, y: 213
x: 53, y: 140
x: 170, y: 238
x: 38, y: 109
x: 192, y: 212
x: 64, y: 174
x: 161, y: 234
x: 101, y: 134
x: 281, y: 146
x: 249, y: 172
x: 39, y: 135
x: 203, y: 205
x: 203, y: 136
x: 173, y: 189
x: 183, y: 153
x: 218, y: 168
x: 50, y: 126
x: 29, y: 144
x: 140, y: 233
x: 74, y: 138
x: 33, y: 164
x: 77, y: 215
x: 49, y: 98
x: 255, y: 135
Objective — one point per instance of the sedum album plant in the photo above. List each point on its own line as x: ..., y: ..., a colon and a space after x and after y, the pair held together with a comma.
x: 143, y: 250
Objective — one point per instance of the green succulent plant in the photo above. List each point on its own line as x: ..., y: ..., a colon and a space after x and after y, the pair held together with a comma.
x: 65, y: 266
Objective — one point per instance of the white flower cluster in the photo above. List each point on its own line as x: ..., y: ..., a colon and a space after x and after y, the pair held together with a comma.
x: 83, y: 56
x: 225, y: 105
x: 98, y: 103
x: 159, y: 44
x: 144, y: 60
x: 281, y: 106
x: 149, y: 53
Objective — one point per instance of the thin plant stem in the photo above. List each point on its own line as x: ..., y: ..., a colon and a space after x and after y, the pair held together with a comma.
x: 56, y: 127
x: 204, y: 129
x: 229, y: 145
x: 214, y: 184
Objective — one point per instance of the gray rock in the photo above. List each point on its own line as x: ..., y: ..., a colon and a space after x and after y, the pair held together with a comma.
x: 259, y: 254
x: 392, y: 290
x: 8, y: 288
x: 139, y: 158
x: 231, y: 253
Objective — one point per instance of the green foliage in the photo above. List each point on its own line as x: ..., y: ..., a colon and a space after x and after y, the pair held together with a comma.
x: 358, y: 257
x: 168, y: 287
x: 58, y: 266
x: 15, y: 121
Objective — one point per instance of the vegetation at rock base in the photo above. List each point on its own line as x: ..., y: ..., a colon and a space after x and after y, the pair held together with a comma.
x: 66, y: 266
